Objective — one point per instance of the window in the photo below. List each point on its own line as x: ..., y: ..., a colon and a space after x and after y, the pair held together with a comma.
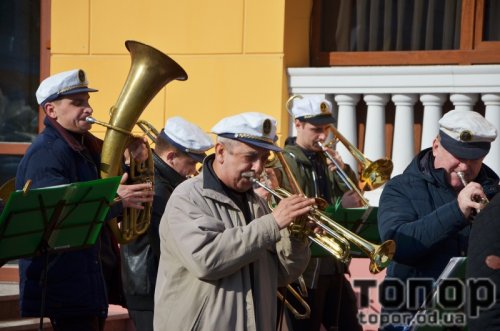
x: 20, y: 58
x: 393, y: 32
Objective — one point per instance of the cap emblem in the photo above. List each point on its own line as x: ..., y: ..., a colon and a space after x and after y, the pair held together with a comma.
x: 465, y: 135
x: 323, y: 107
x: 266, y: 126
x: 81, y: 75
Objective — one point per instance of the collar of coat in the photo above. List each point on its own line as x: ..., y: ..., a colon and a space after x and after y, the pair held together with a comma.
x: 166, y: 172
x: 92, y: 143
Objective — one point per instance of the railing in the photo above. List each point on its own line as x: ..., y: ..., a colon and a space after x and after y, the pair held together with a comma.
x: 393, y: 97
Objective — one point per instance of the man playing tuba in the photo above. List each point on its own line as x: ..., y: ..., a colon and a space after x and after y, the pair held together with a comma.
x: 79, y: 283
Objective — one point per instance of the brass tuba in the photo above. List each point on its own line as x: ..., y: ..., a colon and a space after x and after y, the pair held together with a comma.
x: 150, y: 71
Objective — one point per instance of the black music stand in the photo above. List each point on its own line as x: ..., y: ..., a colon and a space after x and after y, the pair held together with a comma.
x: 454, y: 269
x: 52, y: 219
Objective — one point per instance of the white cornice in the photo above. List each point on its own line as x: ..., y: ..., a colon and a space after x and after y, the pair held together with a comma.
x: 395, y: 79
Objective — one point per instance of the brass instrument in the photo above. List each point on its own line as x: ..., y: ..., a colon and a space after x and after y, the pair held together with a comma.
x: 374, y: 173
x: 344, y: 177
x: 298, y: 315
x: 336, y: 239
x: 7, y: 188
x: 483, y: 201
x: 148, y: 129
x: 150, y: 71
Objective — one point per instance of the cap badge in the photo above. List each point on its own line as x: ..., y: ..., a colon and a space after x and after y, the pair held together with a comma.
x: 266, y: 126
x: 81, y: 75
x: 465, y: 135
x: 323, y: 107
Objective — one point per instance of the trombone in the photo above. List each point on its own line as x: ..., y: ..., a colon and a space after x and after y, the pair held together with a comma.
x: 344, y: 177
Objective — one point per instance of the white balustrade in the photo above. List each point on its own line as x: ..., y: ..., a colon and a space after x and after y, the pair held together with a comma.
x: 465, y: 86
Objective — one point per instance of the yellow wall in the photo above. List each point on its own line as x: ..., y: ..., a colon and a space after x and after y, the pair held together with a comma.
x: 233, y: 51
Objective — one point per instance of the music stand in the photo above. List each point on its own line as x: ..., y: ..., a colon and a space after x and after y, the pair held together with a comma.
x: 454, y: 269
x: 52, y: 219
x: 62, y: 217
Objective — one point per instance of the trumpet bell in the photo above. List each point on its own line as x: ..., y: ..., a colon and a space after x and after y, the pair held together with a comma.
x: 382, y: 256
x: 376, y: 174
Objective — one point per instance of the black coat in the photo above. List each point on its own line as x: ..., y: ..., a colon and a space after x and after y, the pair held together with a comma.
x: 419, y: 211
x: 140, y: 258
x: 484, y: 241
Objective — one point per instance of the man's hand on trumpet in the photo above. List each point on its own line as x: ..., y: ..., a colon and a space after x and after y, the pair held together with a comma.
x: 469, y: 199
x: 288, y: 209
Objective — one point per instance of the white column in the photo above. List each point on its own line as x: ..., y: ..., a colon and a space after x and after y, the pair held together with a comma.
x: 463, y: 101
x: 492, y: 114
x: 346, y: 125
x: 433, y: 110
x: 403, y: 143
x: 375, y: 126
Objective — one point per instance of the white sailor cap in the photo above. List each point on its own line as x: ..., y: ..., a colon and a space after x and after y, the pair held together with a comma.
x: 466, y: 134
x: 63, y: 83
x: 312, y: 109
x: 186, y: 137
x: 252, y: 128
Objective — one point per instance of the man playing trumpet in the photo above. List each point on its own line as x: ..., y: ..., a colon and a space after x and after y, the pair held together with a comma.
x: 223, y: 254
x: 428, y: 210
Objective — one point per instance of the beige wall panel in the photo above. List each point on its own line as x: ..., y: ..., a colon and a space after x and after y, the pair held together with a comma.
x: 173, y: 26
x: 264, y: 26
x: 70, y: 26
x: 297, y: 25
x: 226, y: 85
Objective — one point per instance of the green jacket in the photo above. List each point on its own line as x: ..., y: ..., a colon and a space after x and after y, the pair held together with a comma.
x: 307, y: 178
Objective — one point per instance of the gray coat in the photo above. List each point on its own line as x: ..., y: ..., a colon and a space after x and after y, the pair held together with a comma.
x: 207, y: 248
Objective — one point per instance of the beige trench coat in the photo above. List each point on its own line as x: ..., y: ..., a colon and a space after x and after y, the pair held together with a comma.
x: 204, y: 278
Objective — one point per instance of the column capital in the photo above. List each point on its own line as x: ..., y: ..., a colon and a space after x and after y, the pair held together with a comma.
x: 376, y: 99
x: 434, y: 99
x: 404, y: 99
x: 347, y: 99
x: 464, y: 100
x: 491, y: 99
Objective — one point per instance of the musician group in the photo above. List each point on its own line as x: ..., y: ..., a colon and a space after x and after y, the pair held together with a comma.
x: 219, y: 247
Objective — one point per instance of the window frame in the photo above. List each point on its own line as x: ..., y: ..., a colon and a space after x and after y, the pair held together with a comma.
x: 19, y: 148
x: 473, y: 50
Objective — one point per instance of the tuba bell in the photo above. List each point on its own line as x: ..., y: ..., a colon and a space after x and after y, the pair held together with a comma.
x: 150, y: 71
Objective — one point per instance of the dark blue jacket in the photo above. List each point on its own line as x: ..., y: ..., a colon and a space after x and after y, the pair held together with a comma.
x: 419, y: 211
x: 76, y: 281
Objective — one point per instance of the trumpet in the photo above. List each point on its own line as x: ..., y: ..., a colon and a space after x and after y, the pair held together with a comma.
x: 337, y: 238
x: 482, y: 200
x: 344, y: 177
